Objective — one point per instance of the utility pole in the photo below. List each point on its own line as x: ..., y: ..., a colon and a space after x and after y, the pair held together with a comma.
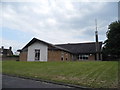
x: 97, y: 43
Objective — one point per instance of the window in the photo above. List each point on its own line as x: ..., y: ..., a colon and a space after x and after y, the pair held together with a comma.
x: 83, y: 57
x: 37, y: 54
x: 66, y: 58
x: 86, y: 57
x: 62, y: 56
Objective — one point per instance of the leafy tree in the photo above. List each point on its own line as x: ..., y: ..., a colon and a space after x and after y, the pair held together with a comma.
x: 112, y: 44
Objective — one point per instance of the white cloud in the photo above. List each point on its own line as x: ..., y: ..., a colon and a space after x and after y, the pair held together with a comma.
x: 15, y: 44
x: 60, y: 0
x: 52, y: 21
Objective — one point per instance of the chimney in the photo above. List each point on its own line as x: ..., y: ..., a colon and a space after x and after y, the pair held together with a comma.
x: 10, y: 48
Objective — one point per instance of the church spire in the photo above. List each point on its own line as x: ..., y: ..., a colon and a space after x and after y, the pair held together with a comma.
x: 96, y: 31
x: 97, y: 43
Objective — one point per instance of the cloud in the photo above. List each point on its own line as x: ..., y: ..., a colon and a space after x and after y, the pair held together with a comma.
x: 60, y: 0
x: 15, y: 44
x: 56, y: 21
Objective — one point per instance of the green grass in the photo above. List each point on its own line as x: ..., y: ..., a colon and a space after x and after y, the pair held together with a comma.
x: 95, y: 74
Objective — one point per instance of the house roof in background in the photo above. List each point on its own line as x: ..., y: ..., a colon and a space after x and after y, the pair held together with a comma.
x: 85, y: 48
x: 5, y: 51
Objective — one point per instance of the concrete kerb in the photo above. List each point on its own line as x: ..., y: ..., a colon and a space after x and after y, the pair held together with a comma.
x: 47, y: 81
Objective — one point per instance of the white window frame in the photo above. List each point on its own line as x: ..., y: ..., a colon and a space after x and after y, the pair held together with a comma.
x: 81, y: 57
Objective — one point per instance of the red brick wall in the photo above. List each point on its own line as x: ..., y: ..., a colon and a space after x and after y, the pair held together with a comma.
x: 57, y: 55
x: 10, y: 58
x: 92, y: 57
x: 23, y: 56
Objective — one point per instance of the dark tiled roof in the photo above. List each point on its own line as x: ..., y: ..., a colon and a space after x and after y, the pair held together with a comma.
x: 81, y: 47
x: 75, y: 48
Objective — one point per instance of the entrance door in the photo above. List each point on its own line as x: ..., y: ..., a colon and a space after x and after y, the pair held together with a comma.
x: 37, y: 54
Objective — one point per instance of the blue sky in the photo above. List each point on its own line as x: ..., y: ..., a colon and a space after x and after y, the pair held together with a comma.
x: 55, y: 21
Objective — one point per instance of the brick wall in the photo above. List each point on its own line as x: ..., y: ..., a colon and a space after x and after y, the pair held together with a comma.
x: 23, y: 56
x: 10, y: 58
x: 92, y: 57
x: 57, y: 55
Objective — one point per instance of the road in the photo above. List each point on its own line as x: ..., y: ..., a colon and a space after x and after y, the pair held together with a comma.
x: 15, y: 82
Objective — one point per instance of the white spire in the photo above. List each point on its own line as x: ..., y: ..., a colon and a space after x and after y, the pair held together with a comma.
x: 96, y: 23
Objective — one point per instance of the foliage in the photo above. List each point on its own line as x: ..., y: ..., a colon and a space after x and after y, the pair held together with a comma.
x: 112, y: 44
x: 95, y: 74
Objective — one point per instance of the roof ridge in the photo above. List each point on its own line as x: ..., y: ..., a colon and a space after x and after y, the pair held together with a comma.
x: 35, y: 39
x: 77, y: 43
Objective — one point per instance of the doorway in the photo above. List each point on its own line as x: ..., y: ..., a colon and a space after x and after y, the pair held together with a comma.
x: 37, y: 54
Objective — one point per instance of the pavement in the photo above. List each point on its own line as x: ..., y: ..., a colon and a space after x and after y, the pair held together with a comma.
x: 16, y: 82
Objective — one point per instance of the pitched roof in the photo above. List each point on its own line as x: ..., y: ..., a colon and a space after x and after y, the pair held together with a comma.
x: 33, y: 41
x: 77, y: 48
x: 37, y: 40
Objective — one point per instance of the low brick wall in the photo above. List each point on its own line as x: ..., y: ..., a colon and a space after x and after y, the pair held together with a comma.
x: 10, y: 58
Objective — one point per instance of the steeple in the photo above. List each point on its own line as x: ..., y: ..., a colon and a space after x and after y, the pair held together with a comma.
x: 97, y: 43
x: 96, y: 31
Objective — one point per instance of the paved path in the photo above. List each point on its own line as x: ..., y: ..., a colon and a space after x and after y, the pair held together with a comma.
x: 15, y: 82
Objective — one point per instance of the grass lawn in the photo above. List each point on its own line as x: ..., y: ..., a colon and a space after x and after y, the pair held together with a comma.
x: 95, y: 74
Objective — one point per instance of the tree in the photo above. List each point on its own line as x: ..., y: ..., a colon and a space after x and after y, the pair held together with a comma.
x: 112, y: 44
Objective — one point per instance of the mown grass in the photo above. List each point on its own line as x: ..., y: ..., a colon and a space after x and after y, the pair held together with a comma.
x: 95, y: 74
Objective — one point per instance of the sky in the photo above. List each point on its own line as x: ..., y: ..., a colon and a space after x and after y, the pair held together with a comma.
x: 54, y: 21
